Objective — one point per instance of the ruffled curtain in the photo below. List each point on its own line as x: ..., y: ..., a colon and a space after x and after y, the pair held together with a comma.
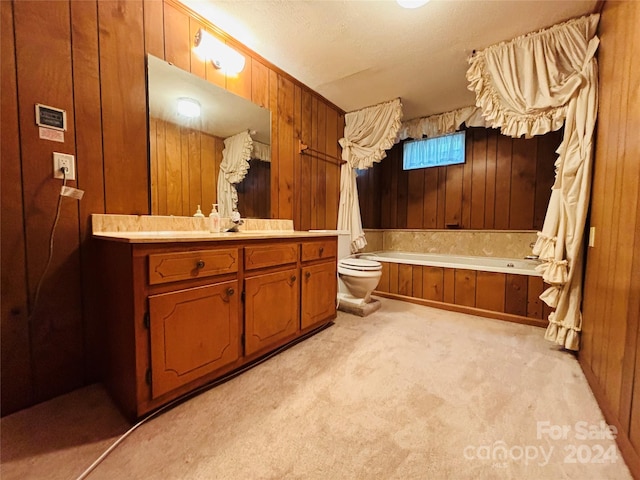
x: 367, y: 134
x: 261, y: 151
x: 234, y: 167
x: 531, y: 86
x: 442, y: 123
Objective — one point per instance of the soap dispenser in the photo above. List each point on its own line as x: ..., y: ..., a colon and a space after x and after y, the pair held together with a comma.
x: 214, y: 219
x: 198, y: 213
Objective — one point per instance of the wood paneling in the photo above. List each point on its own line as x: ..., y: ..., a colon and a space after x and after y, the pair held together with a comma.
x: 505, y: 184
x: 479, y: 292
x: 17, y: 387
x: 124, y: 106
x: 89, y: 58
x: 176, y: 38
x: 44, y: 75
x: 491, y: 293
x: 153, y: 28
x: 611, y: 304
x: 259, y: 84
x: 84, y: 36
x: 186, y: 164
x: 253, y: 197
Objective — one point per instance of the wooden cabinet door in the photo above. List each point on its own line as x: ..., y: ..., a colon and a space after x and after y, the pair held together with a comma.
x: 319, y: 290
x: 271, y: 309
x: 193, y: 332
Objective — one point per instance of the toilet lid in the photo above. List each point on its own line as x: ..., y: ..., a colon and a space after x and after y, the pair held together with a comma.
x: 360, y: 264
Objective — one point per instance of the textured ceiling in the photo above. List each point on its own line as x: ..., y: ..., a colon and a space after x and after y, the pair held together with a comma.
x: 359, y: 53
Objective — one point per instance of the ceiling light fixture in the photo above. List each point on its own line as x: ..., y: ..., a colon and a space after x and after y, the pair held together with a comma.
x: 221, y: 55
x: 188, y: 107
x: 412, y: 3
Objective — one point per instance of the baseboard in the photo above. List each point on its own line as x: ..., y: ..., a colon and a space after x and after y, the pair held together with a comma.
x: 629, y: 453
x: 535, y: 322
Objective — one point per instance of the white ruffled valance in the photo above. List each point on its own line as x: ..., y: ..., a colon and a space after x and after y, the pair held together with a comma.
x: 368, y: 133
x: 530, y: 86
x: 442, y: 124
x: 261, y: 151
x: 233, y: 169
x: 531, y: 96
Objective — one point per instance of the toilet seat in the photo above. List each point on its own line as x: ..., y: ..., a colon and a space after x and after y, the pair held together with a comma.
x: 360, y: 265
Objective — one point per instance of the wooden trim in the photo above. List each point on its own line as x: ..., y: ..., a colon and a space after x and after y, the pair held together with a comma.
x: 629, y: 453
x: 464, y: 309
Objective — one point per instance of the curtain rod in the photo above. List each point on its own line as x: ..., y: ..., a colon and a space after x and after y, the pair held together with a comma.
x: 305, y: 150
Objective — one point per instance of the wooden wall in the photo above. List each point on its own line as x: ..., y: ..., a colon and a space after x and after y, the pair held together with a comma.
x: 89, y: 58
x: 184, y: 168
x: 504, y: 184
x: 611, y: 307
x: 514, y: 295
x: 253, y: 191
x: 184, y: 173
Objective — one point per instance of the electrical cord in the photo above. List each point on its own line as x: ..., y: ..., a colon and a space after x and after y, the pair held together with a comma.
x: 193, y: 393
x: 51, y: 240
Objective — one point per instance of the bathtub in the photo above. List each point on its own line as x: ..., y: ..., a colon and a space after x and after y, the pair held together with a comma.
x: 514, y: 266
x: 500, y: 288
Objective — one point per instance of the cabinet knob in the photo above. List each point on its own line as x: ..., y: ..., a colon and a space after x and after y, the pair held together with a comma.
x: 293, y: 278
x: 200, y: 264
x: 321, y: 250
x: 307, y: 274
x: 230, y: 291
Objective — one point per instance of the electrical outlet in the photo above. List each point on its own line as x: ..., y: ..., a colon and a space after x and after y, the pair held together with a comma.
x: 63, y: 160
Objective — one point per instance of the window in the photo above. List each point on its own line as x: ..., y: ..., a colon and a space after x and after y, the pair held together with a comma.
x: 434, y: 152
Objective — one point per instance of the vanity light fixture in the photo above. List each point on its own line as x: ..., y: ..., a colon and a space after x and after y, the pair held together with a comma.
x: 221, y: 55
x: 188, y: 107
x: 412, y: 3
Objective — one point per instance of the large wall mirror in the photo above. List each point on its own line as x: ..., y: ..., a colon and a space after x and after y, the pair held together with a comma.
x: 186, y: 151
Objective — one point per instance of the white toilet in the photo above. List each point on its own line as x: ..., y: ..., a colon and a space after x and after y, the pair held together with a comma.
x: 357, y: 278
x: 360, y: 277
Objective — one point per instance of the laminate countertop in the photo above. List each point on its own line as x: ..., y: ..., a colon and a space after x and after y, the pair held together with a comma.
x: 202, y: 236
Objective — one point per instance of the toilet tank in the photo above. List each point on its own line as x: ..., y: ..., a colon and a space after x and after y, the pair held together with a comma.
x: 344, y: 241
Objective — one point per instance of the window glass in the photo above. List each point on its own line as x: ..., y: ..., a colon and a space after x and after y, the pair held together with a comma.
x: 434, y: 152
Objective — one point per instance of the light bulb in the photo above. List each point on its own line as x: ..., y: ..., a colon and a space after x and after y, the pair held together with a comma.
x: 188, y: 107
x: 412, y: 3
x: 220, y: 54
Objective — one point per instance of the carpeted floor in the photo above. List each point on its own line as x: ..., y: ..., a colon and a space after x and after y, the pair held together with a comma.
x: 409, y: 392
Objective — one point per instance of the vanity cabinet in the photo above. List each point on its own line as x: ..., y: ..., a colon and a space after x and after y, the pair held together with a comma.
x: 193, y: 332
x: 319, y: 282
x: 180, y: 314
x: 271, y: 309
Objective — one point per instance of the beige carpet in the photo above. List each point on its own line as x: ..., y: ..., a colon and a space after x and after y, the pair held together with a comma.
x: 409, y: 392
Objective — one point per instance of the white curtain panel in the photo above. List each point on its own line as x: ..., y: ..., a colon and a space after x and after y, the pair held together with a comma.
x: 442, y: 123
x: 530, y: 86
x: 234, y: 167
x: 367, y: 134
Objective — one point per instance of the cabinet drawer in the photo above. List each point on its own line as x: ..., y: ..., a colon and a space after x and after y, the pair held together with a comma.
x: 270, y: 255
x: 317, y: 250
x: 173, y: 267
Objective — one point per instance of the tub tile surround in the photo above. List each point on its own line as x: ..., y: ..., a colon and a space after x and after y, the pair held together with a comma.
x: 483, y: 243
x: 109, y: 223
